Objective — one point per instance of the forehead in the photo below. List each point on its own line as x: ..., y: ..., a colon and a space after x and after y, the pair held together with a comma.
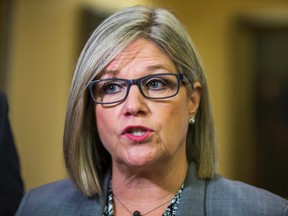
x: 141, y: 54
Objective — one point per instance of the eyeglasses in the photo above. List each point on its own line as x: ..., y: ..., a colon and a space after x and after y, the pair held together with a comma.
x: 155, y: 86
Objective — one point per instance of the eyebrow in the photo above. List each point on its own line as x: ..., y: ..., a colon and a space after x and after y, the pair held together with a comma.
x: 149, y: 68
x: 109, y: 72
x: 157, y: 66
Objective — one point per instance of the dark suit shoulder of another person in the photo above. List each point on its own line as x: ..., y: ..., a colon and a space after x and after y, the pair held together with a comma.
x: 11, y: 185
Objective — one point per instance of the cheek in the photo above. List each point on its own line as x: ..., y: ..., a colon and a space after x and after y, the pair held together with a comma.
x: 100, y: 118
x: 174, y: 120
x: 105, y: 117
x: 104, y: 123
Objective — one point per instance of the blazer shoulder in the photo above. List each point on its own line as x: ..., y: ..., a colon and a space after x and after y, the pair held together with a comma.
x: 56, y: 198
x: 228, y: 197
x: 55, y: 188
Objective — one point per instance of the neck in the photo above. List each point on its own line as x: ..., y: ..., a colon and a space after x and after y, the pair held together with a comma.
x: 135, y: 186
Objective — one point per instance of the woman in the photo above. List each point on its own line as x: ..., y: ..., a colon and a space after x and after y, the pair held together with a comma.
x: 139, y: 134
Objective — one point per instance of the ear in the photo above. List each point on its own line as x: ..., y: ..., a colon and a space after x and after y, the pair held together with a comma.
x: 194, y: 99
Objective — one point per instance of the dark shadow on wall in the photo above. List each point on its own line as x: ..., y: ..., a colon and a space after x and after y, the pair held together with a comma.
x: 260, y: 80
x: 91, y: 18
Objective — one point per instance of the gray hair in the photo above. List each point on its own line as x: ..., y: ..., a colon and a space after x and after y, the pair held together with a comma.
x: 85, y: 157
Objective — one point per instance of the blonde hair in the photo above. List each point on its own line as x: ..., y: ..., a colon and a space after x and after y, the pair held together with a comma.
x: 85, y: 157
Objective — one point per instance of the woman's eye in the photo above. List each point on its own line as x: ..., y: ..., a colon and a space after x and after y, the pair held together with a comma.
x: 156, y: 84
x: 111, y: 88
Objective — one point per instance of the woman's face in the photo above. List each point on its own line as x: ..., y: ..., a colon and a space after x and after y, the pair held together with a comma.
x: 139, y: 131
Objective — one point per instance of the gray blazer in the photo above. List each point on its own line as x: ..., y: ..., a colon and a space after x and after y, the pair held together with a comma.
x: 217, y: 197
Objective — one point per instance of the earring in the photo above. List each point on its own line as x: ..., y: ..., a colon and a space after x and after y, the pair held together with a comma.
x: 192, y: 121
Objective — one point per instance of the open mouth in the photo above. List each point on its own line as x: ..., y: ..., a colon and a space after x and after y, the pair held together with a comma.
x: 137, y: 131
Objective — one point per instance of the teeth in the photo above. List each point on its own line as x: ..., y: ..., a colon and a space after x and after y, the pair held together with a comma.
x: 137, y: 132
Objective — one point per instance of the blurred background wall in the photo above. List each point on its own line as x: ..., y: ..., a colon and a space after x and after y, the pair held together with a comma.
x: 46, y: 38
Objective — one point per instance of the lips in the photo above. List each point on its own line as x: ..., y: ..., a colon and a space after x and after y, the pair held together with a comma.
x: 137, y: 133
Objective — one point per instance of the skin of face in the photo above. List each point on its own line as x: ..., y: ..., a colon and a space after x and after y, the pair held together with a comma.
x: 163, y: 123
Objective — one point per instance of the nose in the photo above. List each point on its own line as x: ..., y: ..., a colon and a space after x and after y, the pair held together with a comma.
x: 135, y: 103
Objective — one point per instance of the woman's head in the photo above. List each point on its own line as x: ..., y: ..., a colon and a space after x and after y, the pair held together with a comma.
x: 85, y: 157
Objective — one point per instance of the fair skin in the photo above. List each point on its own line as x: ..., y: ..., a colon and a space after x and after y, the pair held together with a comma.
x: 146, y: 170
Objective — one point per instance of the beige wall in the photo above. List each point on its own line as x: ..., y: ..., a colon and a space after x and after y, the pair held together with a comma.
x: 43, y: 55
x: 212, y: 27
x: 44, y: 51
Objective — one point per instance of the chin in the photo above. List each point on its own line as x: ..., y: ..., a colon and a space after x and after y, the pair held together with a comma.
x: 141, y: 157
x: 138, y: 162
x: 142, y: 162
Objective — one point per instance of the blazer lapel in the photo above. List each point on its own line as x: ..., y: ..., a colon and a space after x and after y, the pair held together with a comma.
x: 193, y: 196
x: 92, y: 207
x: 95, y: 206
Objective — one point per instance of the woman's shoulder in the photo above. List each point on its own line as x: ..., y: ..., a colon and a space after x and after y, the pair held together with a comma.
x: 242, y: 198
x: 64, y: 183
x: 57, y: 198
x: 60, y: 190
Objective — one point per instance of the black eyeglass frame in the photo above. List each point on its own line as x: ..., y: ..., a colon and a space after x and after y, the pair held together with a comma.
x: 130, y: 82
